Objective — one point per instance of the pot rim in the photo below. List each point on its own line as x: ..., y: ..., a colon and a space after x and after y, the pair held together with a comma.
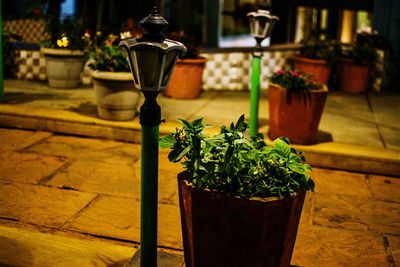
x: 199, y: 60
x: 112, y: 76
x: 62, y: 52
x: 310, y: 60
x: 321, y: 90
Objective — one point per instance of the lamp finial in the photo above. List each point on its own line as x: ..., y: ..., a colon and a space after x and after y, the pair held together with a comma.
x: 154, y: 24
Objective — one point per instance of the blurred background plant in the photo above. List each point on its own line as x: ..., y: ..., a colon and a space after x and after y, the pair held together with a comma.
x: 106, y: 55
x: 293, y: 80
x: 362, y: 53
x: 315, y: 48
x: 190, y: 41
x: 67, y: 33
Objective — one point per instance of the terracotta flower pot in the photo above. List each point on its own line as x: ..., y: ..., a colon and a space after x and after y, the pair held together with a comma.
x: 318, y: 68
x: 220, y: 230
x: 116, y: 95
x: 352, y: 78
x: 63, y: 67
x: 186, y: 79
x: 295, y: 115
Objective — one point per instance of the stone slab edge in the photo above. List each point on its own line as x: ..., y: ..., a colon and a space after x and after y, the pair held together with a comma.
x: 328, y: 155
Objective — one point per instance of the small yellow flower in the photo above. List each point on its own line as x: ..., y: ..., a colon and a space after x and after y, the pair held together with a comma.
x: 59, y: 43
x: 65, y: 41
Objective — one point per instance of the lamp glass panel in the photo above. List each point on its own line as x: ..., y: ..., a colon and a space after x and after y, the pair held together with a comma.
x: 132, y: 66
x: 266, y: 26
x: 252, y: 22
x: 149, y: 62
x: 169, y: 66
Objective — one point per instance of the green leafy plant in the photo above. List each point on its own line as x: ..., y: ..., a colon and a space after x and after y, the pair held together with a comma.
x: 65, y: 34
x: 315, y: 48
x: 237, y: 165
x: 293, y: 81
x: 363, y: 54
x: 106, y: 55
x: 190, y: 42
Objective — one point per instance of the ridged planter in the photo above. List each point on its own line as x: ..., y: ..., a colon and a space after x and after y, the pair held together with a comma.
x: 186, y: 79
x: 318, y: 68
x: 63, y: 67
x: 117, y: 98
x: 295, y: 115
x: 352, y: 78
x: 220, y: 230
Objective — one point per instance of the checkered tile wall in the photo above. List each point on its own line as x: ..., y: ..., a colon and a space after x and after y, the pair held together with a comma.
x: 224, y: 70
x: 30, y: 30
x: 32, y: 65
x: 232, y: 70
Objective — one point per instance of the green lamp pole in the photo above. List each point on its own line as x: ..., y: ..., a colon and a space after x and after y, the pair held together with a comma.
x: 261, y: 25
x: 152, y: 59
x: 1, y: 55
x: 255, y: 89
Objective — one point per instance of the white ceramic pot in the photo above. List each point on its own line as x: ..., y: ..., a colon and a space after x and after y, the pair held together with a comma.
x: 117, y: 98
x: 63, y: 67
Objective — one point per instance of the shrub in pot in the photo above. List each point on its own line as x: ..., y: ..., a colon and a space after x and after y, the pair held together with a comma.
x: 185, y: 82
x: 116, y: 96
x: 316, y: 58
x: 240, y: 199
x: 64, y: 52
x: 353, y: 67
x: 295, y: 106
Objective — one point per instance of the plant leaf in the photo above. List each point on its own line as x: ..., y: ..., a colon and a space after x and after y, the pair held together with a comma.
x: 167, y: 141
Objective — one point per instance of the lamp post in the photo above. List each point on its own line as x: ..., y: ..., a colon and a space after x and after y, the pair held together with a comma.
x: 261, y: 24
x: 151, y: 59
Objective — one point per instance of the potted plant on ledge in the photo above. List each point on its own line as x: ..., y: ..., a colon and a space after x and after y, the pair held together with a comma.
x: 116, y: 96
x: 240, y: 199
x: 295, y: 106
x: 353, y: 67
x: 316, y: 58
x: 64, y: 52
x: 185, y: 82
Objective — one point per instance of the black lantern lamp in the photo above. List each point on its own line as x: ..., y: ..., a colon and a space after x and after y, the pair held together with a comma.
x: 261, y: 24
x: 152, y: 59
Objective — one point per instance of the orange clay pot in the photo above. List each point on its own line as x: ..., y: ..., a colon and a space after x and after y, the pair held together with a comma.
x: 186, y: 79
x: 318, y: 68
x: 295, y: 115
x: 352, y: 78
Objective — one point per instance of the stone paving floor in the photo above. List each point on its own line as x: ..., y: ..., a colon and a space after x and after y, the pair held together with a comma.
x: 74, y: 201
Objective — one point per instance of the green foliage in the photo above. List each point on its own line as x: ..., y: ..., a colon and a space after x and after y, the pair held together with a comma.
x: 362, y: 54
x: 65, y: 34
x: 293, y: 81
x: 191, y: 43
x: 107, y: 55
x: 240, y: 166
x: 314, y: 48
